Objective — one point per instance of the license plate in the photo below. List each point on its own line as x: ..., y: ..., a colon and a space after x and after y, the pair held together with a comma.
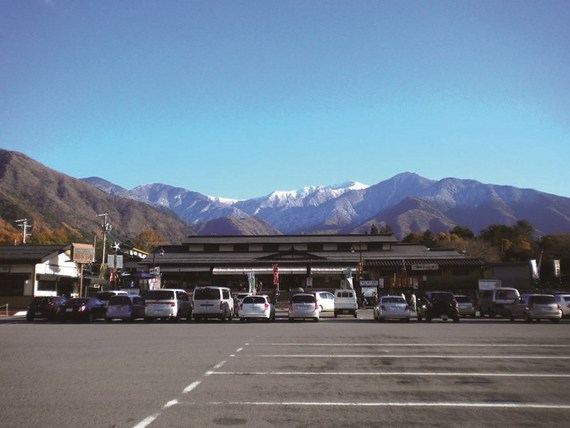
x: 69, y: 310
x: 38, y: 314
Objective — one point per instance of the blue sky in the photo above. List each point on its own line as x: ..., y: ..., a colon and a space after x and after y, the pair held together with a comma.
x: 240, y: 98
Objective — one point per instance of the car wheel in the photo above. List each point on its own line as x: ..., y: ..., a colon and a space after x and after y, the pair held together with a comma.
x: 528, y: 318
x: 420, y: 318
x: 355, y: 314
x: 29, y: 317
x: 90, y: 317
x: 242, y: 320
x: 555, y: 320
x: 511, y: 316
x: 108, y: 319
x: 316, y: 319
x: 290, y: 319
x: 148, y: 319
x: 456, y: 319
x: 335, y: 314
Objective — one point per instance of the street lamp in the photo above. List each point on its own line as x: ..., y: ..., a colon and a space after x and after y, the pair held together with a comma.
x: 360, y: 265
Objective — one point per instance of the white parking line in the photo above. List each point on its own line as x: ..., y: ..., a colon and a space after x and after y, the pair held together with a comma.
x: 507, y: 405
x: 452, y: 345
x: 147, y: 421
x: 150, y: 419
x: 190, y: 387
x: 447, y: 357
x: 450, y: 374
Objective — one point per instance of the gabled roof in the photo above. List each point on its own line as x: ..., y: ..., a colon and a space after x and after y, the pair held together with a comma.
x: 29, y: 253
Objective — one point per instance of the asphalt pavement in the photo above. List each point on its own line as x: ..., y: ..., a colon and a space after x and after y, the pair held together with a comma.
x: 336, y: 372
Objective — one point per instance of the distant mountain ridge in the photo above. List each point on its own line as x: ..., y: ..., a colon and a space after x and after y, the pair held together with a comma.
x: 406, y: 202
x: 52, y: 201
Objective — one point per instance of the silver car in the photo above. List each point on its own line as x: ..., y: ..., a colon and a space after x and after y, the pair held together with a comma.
x: 126, y: 308
x: 392, y: 307
x: 564, y: 302
x: 256, y: 307
x: 535, y: 307
x: 304, y: 306
x: 465, y: 305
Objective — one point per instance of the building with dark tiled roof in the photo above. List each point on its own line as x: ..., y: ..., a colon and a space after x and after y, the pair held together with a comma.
x: 318, y: 261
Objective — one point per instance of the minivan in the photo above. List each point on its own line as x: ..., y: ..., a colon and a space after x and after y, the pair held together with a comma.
x: 167, y: 304
x: 213, y: 302
x: 494, y: 302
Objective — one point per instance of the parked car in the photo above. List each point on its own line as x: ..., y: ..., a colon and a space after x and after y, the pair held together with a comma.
x: 44, y: 307
x: 494, y: 302
x: 465, y: 305
x: 256, y: 307
x: 213, y: 302
x: 167, y: 304
x: 535, y: 307
x: 82, y: 309
x: 438, y: 304
x: 238, y: 298
x: 126, y: 308
x: 564, y: 302
x: 392, y: 307
x: 304, y: 306
x: 325, y: 300
x: 104, y: 296
x: 345, y: 302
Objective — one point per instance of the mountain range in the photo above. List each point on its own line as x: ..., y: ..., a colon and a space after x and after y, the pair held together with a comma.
x: 406, y: 203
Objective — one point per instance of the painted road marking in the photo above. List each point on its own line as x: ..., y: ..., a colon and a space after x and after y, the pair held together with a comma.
x: 503, y: 405
x: 450, y: 374
x: 453, y: 345
x: 447, y: 357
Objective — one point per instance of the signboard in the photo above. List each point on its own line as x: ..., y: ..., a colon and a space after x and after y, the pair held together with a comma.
x: 369, y: 283
x: 82, y: 253
x: 309, y: 282
x: 425, y: 266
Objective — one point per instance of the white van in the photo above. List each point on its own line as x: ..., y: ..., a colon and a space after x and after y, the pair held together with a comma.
x: 167, y: 303
x: 213, y: 302
x: 345, y: 302
x: 494, y: 302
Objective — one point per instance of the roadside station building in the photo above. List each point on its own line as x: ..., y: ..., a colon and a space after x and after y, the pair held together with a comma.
x: 313, y: 261
x: 36, y: 270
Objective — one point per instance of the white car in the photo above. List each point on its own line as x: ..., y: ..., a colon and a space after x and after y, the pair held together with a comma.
x: 213, y: 302
x: 256, y: 307
x: 564, y: 302
x: 325, y: 300
x: 304, y: 306
x: 392, y: 307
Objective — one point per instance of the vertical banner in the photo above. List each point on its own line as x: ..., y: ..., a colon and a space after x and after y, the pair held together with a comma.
x: 276, y: 275
x: 557, y: 268
x: 534, y: 269
x: 251, y: 281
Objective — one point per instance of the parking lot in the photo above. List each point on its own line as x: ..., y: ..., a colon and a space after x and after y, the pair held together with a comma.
x: 337, y: 372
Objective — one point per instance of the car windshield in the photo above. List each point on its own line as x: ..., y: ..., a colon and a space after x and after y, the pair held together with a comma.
x: 442, y: 297
x: 543, y: 300
x: 159, y: 295
x: 566, y: 298
x: 303, y: 299
x: 463, y: 299
x: 393, y: 300
x: 120, y: 300
x: 206, y: 294
x: 78, y: 301
x: 253, y: 299
x: 506, y: 295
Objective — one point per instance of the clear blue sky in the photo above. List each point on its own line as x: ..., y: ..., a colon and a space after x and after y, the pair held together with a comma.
x: 240, y: 98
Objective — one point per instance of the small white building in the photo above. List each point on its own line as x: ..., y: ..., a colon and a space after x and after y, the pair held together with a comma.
x: 36, y: 270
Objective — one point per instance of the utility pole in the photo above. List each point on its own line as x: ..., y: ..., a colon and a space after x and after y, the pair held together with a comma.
x: 106, y: 226
x: 23, y: 224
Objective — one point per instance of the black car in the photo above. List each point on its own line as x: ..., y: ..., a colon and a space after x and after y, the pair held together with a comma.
x: 82, y: 309
x: 438, y: 304
x: 44, y: 307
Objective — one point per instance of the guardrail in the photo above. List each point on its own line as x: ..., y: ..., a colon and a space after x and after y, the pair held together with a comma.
x: 6, y: 305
